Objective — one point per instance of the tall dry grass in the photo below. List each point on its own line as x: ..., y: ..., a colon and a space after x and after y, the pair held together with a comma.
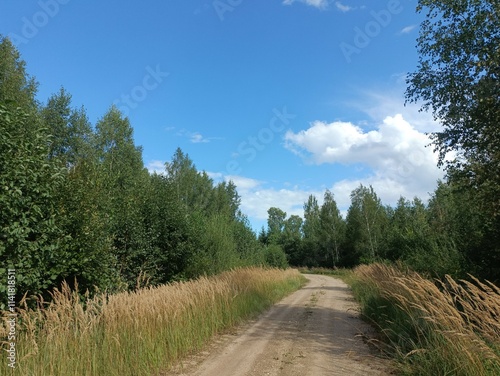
x: 435, y: 327
x: 142, y: 332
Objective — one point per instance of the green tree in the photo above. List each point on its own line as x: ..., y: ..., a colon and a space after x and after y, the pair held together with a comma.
x: 332, y: 228
x: 123, y: 177
x: 458, y: 79
x: 31, y: 240
x: 248, y: 246
x: 460, y: 229
x: 275, y: 256
x: 217, y: 249
x: 312, y: 232
x: 276, y: 224
x: 171, y: 236
x: 292, y: 240
x: 400, y: 220
x: 88, y: 240
x: 194, y: 189
x: 365, y: 225
x: 224, y: 198
x: 17, y: 88
x: 70, y: 130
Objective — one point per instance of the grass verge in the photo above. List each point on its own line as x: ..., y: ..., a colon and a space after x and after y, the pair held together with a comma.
x: 433, y: 327
x: 143, y: 332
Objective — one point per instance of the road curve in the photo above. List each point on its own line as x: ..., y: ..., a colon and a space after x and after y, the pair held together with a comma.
x: 314, y: 331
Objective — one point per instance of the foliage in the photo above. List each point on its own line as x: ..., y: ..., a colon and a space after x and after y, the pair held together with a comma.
x: 365, y: 223
x: 458, y: 80
x: 332, y: 228
x: 457, y: 76
x: 311, y: 229
x: 17, y: 88
x: 31, y: 239
x: 78, y: 204
x: 432, y: 327
x: 292, y: 239
x: 275, y: 256
x: 276, y: 225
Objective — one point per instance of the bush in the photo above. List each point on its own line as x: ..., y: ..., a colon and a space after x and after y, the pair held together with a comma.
x: 276, y: 257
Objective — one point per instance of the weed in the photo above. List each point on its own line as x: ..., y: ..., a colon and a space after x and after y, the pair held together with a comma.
x: 443, y: 327
x: 142, y: 332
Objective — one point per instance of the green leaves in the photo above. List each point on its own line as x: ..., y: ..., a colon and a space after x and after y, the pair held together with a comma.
x: 458, y: 79
x: 29, y: 231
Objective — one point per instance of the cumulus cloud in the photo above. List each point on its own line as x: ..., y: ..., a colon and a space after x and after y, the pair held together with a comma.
x: 156, y: 166
x: 320, y: 4
x: 397, y: 153
x: 243, y: 183
x: 378, y: 104
x: 257, y: 197
x: 346, y: 143
x: 197, y: 138
x: 394, y: 154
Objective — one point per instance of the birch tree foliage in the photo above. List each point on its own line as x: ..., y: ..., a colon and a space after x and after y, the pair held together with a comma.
x: 458, y: 80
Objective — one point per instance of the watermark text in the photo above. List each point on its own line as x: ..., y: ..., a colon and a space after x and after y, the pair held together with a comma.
x: 11, y: 318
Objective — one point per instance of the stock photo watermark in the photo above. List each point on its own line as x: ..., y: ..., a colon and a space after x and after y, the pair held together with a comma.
x: 139, y: 93
x: 11, y: 318
x: 38, y: 20
x: 221, y: 7
x: 265, y: 136
x: 372, y: 29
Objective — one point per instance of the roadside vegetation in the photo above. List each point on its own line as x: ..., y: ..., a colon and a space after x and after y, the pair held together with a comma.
x: 143, y: 332
x: 432, y: 327
x: 84, y: 224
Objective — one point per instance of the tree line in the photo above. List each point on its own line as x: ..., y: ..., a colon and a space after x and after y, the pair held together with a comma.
x: 447, y: 235
x: 77, y: 203
x: 457, y: 80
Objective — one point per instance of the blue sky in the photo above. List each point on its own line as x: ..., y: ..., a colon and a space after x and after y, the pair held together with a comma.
x: 285, y: 97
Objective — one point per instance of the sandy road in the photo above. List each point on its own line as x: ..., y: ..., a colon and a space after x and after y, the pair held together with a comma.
x: 314, y: 331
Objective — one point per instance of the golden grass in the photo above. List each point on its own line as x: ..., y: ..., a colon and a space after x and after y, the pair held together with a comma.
x: 142, y: 332
x: 438, y: 327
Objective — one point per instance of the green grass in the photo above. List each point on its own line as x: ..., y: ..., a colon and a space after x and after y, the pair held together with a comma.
x: 143, y: 332
x: 432, y: 327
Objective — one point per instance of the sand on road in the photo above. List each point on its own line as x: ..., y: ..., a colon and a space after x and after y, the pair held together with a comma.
x: 314, y: 331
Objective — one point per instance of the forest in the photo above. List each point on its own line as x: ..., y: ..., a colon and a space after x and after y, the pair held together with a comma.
x: 78, y: 205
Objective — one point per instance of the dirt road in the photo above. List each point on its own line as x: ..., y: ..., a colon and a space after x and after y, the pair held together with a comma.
x: 315, y: 331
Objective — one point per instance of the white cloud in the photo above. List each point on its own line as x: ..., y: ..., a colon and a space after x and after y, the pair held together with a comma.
x: 346, y: 143
x: 197, y: 138
x: 156, y: 166
x: 407, y: 29
x: 395, y: 151
x: 216, y: 176
x: 399, y: 164
x: 378, y: 105
x: 320, y: 4
x: 257, y: 197
x: 342, y: 7
x: 242, y: 182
